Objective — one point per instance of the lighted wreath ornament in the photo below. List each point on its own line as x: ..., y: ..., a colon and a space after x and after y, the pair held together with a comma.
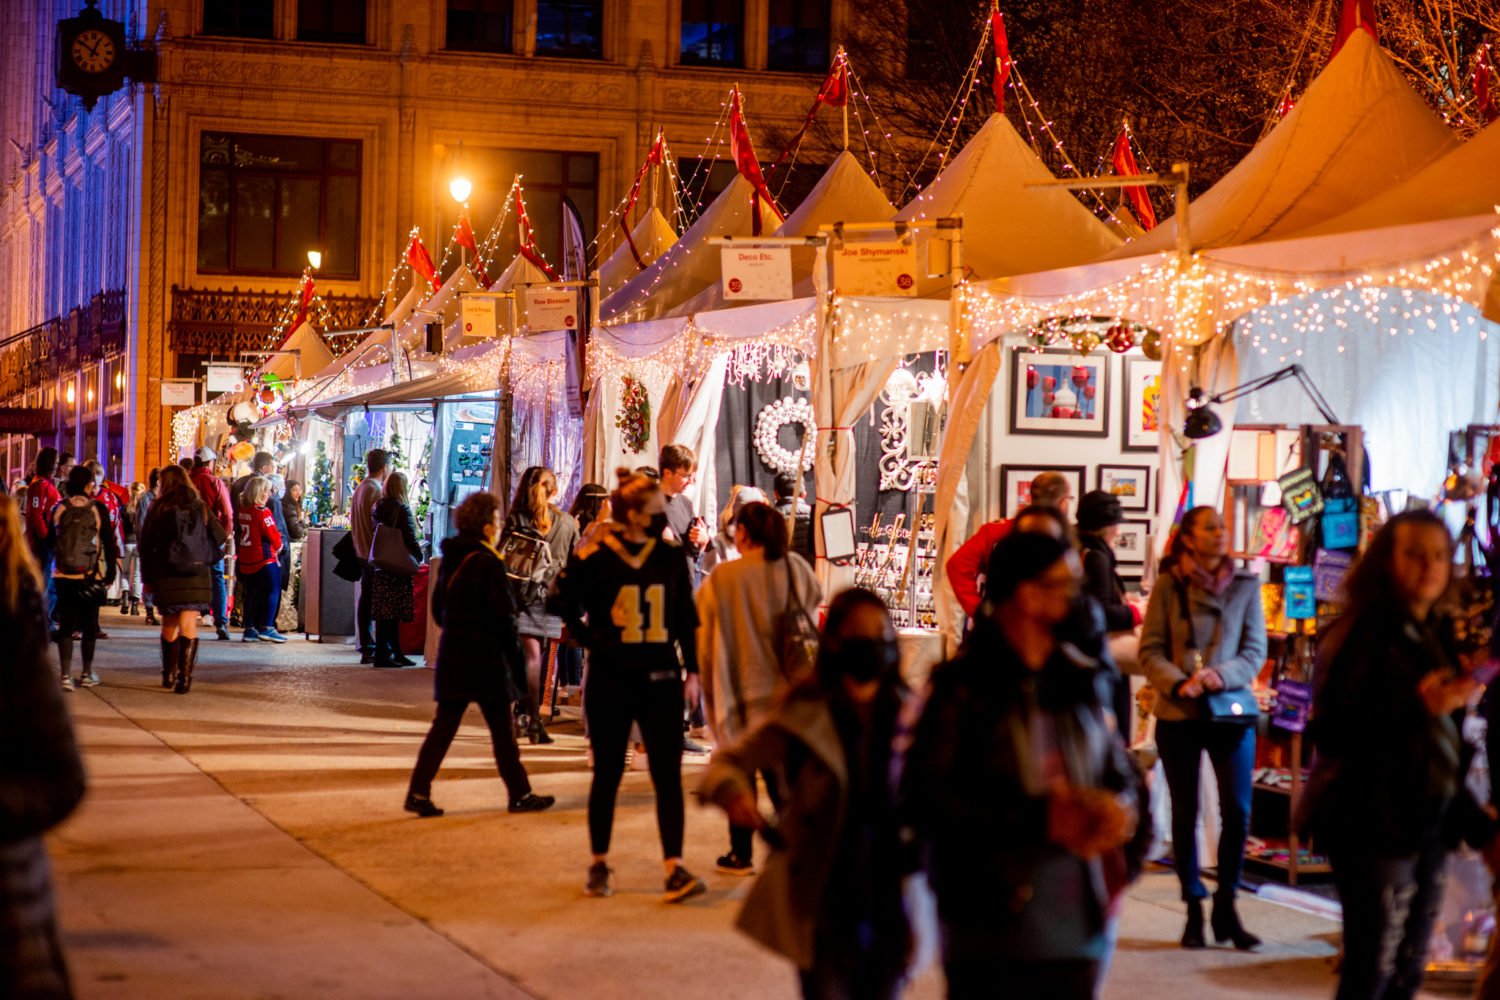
x: 768, y: 424
x: 634, y: 417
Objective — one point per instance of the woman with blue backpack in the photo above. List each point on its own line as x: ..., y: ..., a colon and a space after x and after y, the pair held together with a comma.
x: 179, y: 545
x: 83, y: 567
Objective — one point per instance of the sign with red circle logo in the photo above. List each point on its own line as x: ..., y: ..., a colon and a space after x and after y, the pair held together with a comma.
x: 904, y: 281
x: 735, y: 284
x: 570, y: 322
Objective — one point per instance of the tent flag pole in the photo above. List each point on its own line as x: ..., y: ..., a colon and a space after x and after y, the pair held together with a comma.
x: 843, y: 68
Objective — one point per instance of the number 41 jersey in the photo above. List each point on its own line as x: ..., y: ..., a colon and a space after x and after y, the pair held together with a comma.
x: 638, y: 600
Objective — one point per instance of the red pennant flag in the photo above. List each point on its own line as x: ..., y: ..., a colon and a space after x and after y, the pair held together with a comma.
x: 421, y: 262
x: 1003, y: 61
x: 1125, y: 166
x: 302, y: 306
x: 1285, y: 107
x: 463, y: 235
x: 1482, y: 99
x: 528, y: 238
x: 655, y: 158
x: 834, y: 93
x: 1357, y: 15
x: 749, y: 167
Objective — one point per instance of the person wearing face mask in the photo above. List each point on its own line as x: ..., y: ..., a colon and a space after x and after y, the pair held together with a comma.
x: 628, y: 599
x: 830, y: 898
x: 1204, y: 632
x: 744, y: 608
x: 1015, y: 794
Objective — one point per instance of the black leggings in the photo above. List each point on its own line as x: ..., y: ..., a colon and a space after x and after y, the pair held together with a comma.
x: 440, y: 737
x: 742, y: 838
x: 76, y: 613
x: 613, y: 702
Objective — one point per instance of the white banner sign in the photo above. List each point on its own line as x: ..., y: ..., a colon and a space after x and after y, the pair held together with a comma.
x: 551, y: 309
x: 225, y: 378
x: 476, y: 317
x: 876, y: 267
x: 179, y: 394
x: 762, y: 273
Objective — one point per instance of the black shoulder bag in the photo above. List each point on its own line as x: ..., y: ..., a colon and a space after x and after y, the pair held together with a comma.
x: 1236, y: 707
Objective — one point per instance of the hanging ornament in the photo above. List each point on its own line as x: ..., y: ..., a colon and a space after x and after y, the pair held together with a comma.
x: 1151, y: 345
x: 1038, y: 339
x: 768, y: 425
x: 1120, y: 338
x: 1086, y: 342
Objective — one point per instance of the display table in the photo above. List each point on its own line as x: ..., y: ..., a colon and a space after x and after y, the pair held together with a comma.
x: 328, y: 600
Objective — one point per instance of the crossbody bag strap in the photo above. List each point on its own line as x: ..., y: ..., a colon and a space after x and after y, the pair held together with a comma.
x: 1191, y: 642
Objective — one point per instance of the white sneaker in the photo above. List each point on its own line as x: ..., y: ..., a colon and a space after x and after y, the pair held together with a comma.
x: 88, y: 680
x: 67, y: 683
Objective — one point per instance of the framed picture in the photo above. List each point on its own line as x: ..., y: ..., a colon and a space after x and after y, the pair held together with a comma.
x: 1131, y: 543
x: 1015, y: 484
x: 1142, y: 397
x: 1130, y: 483
x: 1059, y: 392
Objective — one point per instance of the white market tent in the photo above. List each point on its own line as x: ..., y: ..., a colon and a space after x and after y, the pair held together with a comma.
x: 1360, y: 129
x: 1464, y: 182
x: 302, y: 353
x: 652, y: 235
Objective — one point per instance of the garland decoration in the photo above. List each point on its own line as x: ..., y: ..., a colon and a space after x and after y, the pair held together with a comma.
x: 634, y: 417
x: 768, y: 425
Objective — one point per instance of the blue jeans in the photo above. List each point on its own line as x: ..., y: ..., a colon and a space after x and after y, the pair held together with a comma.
x: 1231, y: 750
x: 221, y: 594
x: 262, y: 595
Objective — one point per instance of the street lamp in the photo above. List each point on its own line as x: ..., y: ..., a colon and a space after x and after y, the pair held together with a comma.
x: 460, y: 188
x: 314, y: 259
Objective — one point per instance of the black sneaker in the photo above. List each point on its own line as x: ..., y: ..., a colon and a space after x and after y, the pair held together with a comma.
x: 682, y: 884
x: 422, y: 806
x: 733, y: 864
x: 532, y: 803
x: 601, y: 880
x: 222, y: 633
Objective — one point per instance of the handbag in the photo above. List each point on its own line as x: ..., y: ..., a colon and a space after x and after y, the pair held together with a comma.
x: 797, y: 635
x: 1236, y: 707
x: 389, y: 554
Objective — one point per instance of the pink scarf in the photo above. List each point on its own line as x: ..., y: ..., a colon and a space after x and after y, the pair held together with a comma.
x: 1188, y: 570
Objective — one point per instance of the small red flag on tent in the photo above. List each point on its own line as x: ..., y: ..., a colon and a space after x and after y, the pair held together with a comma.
x: 834, y: 93
x: 1003, y: 61
x: 528, y: 238
x: 1357, y: 15
x: 463, y: 235
x: 743, y: 152
x: 1483, y: 101
x: 1285, y: 107
x: 1125, y: 166
x: 655, y: 158
x: 421, y: 262
x: 303, y: 303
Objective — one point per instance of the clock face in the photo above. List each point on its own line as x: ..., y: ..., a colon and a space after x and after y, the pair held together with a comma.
x: 93, y: 51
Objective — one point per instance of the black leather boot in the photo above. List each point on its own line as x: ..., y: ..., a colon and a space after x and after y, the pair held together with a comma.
x: 188, y: 659
x: 168, y: 662
x: 1192, y: 935
x: 1227, y: 926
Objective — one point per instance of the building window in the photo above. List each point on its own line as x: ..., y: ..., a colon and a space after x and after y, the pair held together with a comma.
x: 265, y: 200
x: 239, y: 18
x: 713, y: 33
x: 338, y: 21
x: 547, y: 178
x: 797, y: 36
x: 480, y: 25
x: 573, y: 28
x: 923, y: 47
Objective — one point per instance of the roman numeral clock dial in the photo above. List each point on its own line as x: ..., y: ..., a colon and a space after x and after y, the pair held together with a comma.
x: 93, y: 51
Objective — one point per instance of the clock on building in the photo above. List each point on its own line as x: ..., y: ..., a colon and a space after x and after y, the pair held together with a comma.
x: 92, y: 59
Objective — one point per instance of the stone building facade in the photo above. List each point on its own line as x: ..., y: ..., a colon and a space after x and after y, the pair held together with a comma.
x: 170, y: 223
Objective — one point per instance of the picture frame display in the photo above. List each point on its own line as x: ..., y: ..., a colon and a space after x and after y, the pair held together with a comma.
x: 1015, y: 484
x: 1059, y: 392
x: 1131, y: 542
x: 1141, y: 403
x: 1130, y: 484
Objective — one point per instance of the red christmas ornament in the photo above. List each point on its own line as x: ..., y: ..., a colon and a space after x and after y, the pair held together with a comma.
x: 1081, y: 375
x: 1049, y: 383
x: 1119, y: 338
x: 1088, y: 392
x: 1031, y: 378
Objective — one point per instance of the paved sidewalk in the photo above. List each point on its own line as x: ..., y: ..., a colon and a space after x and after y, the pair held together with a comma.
x: 247, y: 840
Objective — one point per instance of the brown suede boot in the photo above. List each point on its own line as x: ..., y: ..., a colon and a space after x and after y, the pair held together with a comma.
x: 187, y: 660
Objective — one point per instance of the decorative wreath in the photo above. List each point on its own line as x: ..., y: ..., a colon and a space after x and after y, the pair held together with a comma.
x: 634, y: 417
x: 768, y: 425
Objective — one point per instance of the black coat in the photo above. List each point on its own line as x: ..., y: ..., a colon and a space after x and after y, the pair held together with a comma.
x: 395, y: 514
x: 479, y: 656
x: 1101, y: 581
x: 167, y: 589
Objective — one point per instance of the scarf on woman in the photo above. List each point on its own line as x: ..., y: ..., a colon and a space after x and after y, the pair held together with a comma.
x: 1188, y: 570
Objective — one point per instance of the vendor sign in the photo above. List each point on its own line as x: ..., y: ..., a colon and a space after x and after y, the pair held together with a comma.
x: 552, y: 308
x: 876, y: 267
x: 225, y: 378
x: 476, y: 317
x: 179, y: 394
x: 757, y: 273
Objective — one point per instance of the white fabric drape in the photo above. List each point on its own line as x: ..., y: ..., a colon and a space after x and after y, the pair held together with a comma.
x: 1214, y: 367
x: 689, y: 415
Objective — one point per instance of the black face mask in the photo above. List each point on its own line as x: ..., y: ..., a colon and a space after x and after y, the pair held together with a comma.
x: 865, y: 660
x: 658, y: 525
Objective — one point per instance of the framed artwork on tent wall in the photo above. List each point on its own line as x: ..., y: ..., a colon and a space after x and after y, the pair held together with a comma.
x: 1142, y: 395
x: 1015, y: 484
x: 1131, y: 543
x: 1059, y: 392
x: 1130, y: 484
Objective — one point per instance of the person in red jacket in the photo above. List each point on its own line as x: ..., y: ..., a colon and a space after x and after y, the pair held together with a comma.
x: 966, y: 567
x: 41, y: 496
x: 258, y: 545
x: 215, y: 496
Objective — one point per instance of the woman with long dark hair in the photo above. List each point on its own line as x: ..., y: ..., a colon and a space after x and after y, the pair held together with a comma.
x: 393, y: 600
x: 628, y: 598
x: 1205, y: 632
x: 745, y: 608
x: 1387, y: 727
x: 180, y: 544
x: 830, y: 896
x: 535, y: 512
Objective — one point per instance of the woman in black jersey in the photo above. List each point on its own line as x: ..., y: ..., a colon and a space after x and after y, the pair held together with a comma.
x: 627, y: 597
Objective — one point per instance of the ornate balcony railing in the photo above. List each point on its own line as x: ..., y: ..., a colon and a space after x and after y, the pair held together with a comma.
x: 89, y: 333
x: 225, y: 322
